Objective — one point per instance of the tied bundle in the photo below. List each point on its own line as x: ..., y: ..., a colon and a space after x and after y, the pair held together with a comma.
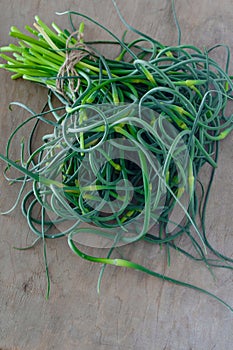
x: 127, y: 142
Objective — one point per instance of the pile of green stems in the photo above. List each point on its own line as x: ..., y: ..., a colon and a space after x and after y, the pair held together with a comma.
x: 179, y: 85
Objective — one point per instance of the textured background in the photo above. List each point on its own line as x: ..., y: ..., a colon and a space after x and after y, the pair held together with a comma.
x: 134, y: 311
